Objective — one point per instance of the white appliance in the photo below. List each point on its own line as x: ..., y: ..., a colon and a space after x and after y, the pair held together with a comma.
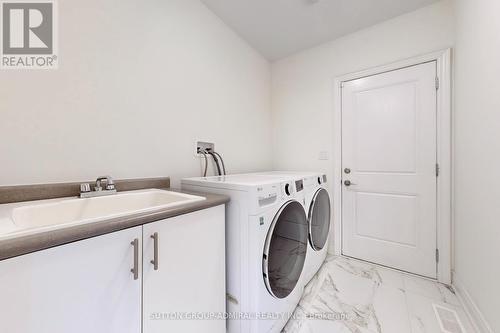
x: 318, y: 208
x: 266, y: 244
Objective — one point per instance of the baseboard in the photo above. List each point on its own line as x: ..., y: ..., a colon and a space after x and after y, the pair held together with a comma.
x: 475, y: 315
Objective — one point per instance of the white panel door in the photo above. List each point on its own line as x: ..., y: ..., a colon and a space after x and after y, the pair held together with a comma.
x: 189, y: 276
x: 389, y: 169
x: 82, y: 287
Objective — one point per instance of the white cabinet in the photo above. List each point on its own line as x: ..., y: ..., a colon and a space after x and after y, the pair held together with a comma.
x: 189, y: 280
x: 82, y: 287
x: 89, y: 287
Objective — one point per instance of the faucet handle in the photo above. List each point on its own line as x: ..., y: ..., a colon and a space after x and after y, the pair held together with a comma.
x: 110, y: 184
x: 84, y: 188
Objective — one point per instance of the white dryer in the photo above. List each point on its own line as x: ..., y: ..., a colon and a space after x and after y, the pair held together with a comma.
x: 318, y: 209
x: 266, y: 246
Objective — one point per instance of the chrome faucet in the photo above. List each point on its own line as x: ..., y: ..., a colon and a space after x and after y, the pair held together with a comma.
x: 110, y: 185
x: 98, y: 191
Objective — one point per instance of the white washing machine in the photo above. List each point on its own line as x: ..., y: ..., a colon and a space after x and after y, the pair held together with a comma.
x: 318, y: 209
x: 266, y: 245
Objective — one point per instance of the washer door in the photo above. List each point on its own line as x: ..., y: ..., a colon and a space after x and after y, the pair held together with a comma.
x: 319, y: 219
x: 285, y: 249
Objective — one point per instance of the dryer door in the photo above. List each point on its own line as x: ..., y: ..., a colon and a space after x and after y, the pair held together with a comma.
x: 319, y: 219
x: 285, y: 249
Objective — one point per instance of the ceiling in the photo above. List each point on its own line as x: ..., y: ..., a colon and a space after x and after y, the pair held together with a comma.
x: 279, y: 28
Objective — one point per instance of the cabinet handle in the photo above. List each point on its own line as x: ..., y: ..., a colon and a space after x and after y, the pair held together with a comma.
x: 155, y: 260
x: 135, y: 269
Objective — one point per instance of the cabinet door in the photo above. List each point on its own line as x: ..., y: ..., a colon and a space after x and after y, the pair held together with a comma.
x: 82, y: 287
x: 190, y: 275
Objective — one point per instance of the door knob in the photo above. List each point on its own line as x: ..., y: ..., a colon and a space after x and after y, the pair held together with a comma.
x: 348, y: 183
x: 347, y: 170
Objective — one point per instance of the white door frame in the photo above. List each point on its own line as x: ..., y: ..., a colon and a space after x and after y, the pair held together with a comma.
x: 444, y: 153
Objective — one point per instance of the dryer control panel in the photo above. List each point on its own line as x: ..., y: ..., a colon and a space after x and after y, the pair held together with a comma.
x: 321, y: 179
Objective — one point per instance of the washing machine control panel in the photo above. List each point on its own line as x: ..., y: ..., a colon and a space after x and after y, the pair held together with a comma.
x: 267, y: 195
x: 299, y: 185
x: 291, y: 187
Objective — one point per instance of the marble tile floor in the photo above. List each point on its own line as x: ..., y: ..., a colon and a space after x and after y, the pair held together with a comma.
x: 348, y: 295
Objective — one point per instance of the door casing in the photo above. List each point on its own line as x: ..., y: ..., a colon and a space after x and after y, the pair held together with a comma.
x: 444, y: 154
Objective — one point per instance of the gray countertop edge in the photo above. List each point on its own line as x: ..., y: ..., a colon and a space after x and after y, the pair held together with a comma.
x: 22, y: 245
x: 22, y: 193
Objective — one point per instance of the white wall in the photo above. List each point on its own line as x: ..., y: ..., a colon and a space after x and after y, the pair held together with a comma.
x: 477, y: 154
x: 138, y: 82
x: 302, y: 86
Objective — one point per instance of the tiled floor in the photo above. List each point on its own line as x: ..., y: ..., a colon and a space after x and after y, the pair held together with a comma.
x: 353, y: 296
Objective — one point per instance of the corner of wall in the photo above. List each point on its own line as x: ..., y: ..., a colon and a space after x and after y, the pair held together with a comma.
x: 475, y: 315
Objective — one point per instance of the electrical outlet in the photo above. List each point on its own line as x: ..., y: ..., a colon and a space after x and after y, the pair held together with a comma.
x: 323, y: 156
x: 204, y: 146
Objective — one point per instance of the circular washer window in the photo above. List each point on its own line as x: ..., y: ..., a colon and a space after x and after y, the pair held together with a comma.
x: 285, y: 249
x: 319, y: 219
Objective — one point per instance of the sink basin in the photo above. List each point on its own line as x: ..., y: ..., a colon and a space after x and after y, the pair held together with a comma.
x: 79, y: 211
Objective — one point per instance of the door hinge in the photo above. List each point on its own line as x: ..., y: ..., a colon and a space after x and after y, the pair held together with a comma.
x: 437, y: 255
x: 437, y: 83
x: 437, y: 170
